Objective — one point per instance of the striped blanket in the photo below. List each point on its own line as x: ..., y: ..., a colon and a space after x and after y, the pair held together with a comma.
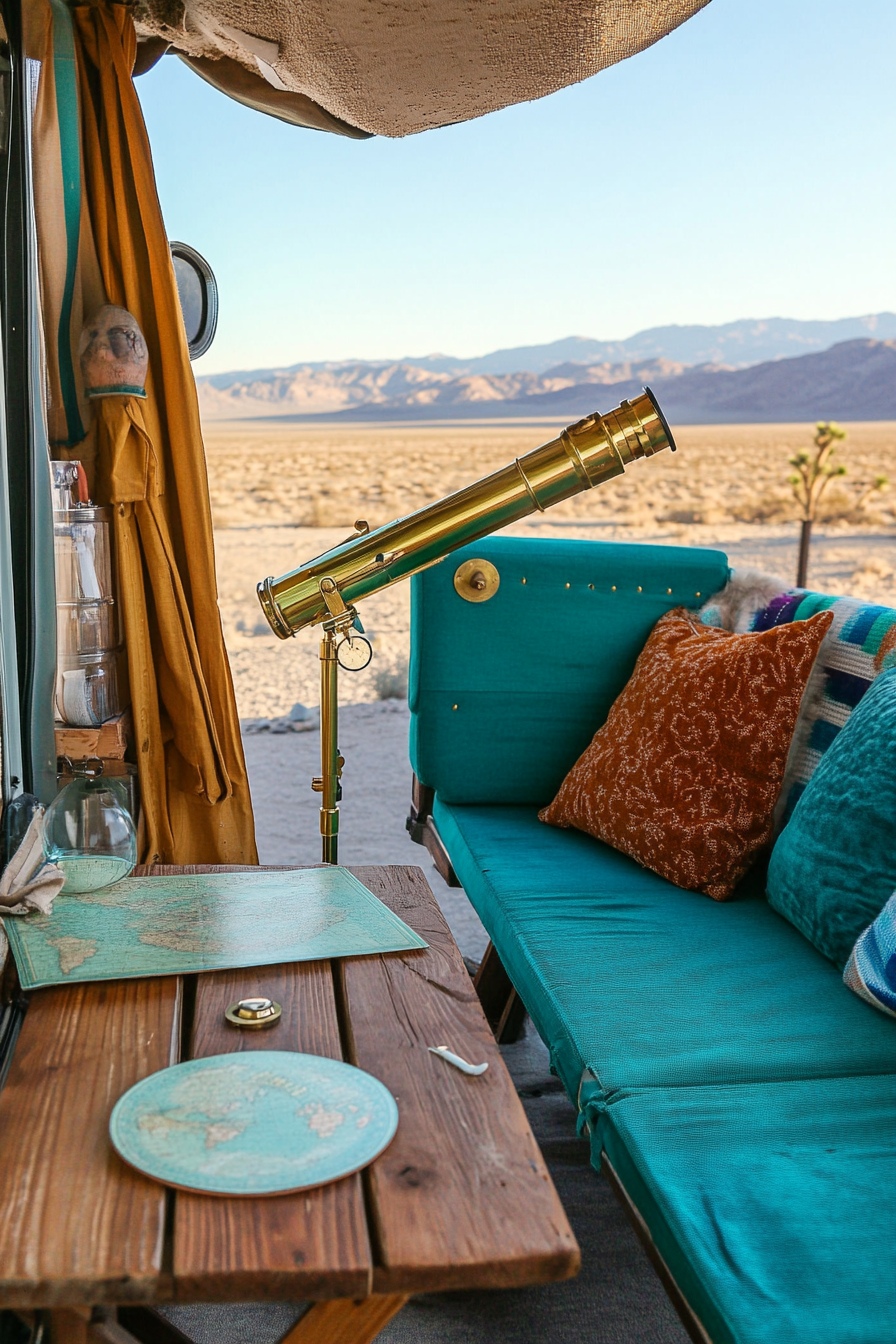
x: 860, y: 644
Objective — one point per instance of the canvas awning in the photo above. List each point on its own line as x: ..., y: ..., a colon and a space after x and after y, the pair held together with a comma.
x: 395, y: 67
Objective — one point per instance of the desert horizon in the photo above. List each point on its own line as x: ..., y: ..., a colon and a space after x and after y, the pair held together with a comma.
x: 775, y: 369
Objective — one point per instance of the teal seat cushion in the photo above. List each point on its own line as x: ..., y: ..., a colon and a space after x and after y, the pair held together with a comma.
x: 773, y: 1205
x: 833, y: 867
x: 506, y: 694
x: 642, y: 984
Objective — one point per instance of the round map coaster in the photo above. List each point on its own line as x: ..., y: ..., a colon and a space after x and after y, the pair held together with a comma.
x: 263, y: 1122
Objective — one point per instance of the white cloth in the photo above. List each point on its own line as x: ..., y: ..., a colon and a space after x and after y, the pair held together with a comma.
x: 29, y: 882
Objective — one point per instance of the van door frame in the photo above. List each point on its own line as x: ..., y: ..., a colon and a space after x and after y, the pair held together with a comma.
x: 28, y: 551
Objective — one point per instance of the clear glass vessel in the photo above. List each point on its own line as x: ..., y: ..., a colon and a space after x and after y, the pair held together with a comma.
x: 90, y: 835
x: 83, y: 548
x: 88, y: 688
x: 87, y: 634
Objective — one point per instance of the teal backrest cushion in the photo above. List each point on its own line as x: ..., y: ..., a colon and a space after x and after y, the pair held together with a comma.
x: 506, y: 694
x: 833, y: 867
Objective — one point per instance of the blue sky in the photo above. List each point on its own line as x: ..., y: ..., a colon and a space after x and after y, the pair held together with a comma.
x: 742, y: 167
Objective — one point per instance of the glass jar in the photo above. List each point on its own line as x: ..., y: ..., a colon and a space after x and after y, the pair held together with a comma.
x: 86, y: 619
x: 85, y: 628
x: 83, y: 549
x: 121, y: 776
x: 88, y: 689
x: 89, y: 834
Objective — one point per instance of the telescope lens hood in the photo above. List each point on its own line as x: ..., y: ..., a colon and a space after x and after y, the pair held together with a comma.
x: 662, y: 419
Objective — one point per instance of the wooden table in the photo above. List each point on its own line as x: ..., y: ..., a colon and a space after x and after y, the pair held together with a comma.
x: 460, y: 1199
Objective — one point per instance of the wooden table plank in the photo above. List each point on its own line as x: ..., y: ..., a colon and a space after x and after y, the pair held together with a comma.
x: 287, y: 1247
x: 462, y: 1197
x: 76, y: 1223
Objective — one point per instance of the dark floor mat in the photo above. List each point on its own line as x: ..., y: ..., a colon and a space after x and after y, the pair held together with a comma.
x: 235, y: 1322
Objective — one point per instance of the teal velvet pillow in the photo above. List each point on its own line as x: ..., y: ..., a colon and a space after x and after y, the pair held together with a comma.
x: 834, y: 864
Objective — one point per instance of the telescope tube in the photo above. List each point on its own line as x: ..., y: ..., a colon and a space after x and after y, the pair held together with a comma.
x: 587, y: 453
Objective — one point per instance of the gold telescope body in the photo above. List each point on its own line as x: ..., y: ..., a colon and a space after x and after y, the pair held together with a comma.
x: 587, y: 453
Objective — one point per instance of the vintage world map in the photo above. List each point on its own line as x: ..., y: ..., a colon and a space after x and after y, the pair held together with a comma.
x: 201, y: 922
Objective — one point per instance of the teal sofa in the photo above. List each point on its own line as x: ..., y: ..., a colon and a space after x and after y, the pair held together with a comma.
x: 739, y: 1097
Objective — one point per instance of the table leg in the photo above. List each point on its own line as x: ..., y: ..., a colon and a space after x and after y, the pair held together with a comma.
x: 344, y: 1321
x: 68, y: 1325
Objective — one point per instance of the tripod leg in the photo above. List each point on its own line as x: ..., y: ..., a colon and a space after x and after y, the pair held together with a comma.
x: 329, y: 751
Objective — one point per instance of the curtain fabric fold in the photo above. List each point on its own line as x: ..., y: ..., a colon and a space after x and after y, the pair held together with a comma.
x: 146, y: 459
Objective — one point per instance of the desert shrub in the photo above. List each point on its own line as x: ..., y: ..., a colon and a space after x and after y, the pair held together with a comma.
x: 769, y: 507
x: 391, y: 681
x: 324, y: 511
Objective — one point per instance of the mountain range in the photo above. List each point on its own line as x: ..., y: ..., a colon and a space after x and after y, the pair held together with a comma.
x: 850, y: 379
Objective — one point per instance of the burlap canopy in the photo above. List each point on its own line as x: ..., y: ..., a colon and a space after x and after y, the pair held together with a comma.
x: 393, y: 67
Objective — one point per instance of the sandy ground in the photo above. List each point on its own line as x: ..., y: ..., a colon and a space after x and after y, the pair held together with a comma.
x: 326, y: 475
x: 725, y: 487
x: 284, y: 495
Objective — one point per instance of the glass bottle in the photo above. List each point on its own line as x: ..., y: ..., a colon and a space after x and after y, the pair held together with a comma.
x: 90, y: 835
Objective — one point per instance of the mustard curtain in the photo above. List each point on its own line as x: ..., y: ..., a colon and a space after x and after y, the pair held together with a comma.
x: 71, y: 287
x: 149, y: 465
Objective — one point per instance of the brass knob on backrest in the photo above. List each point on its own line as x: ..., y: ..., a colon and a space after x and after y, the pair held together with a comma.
x: 476, y: 580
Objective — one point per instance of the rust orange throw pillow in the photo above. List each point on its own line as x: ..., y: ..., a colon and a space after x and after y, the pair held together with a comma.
x: 685, y: 773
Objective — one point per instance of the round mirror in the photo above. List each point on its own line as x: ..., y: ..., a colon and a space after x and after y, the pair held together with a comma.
x: 197, y: 290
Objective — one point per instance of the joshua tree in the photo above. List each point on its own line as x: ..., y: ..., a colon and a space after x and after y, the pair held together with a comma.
x: 879, y: 483
x: 814, y: 473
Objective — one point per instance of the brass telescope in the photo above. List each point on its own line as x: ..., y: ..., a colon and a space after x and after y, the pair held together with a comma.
x: 325, y: 590
x: 586, y: 454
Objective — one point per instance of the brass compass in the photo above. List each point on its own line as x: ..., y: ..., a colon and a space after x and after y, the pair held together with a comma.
x: 353, y: 653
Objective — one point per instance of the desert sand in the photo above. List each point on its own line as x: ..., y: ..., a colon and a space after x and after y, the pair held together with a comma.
x: 283, y: 494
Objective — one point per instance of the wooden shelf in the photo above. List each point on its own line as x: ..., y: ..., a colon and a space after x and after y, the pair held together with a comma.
x: 109, y: 741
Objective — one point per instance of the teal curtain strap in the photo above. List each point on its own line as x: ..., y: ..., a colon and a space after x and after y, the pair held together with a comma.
x: 118, y: 390
x: 66, y: 78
